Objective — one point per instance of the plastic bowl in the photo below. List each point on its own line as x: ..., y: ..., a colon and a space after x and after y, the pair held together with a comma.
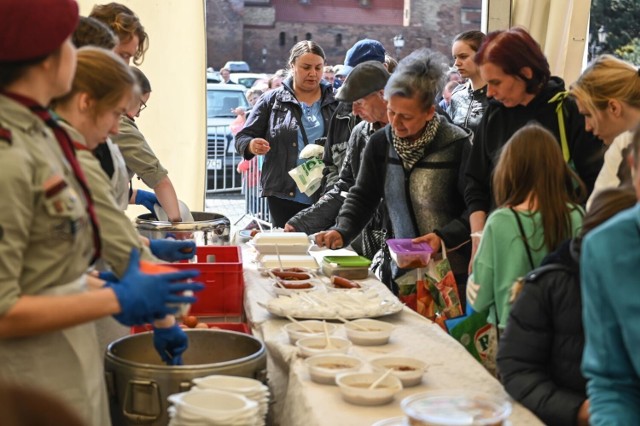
x: 283, y: 290
x: 378, y: 332
x: 455, y: 408
x: 323, y: 369
x: 310, y: 346
x: 296, y: 332
x: 408, y: 370
x: 354, y: 388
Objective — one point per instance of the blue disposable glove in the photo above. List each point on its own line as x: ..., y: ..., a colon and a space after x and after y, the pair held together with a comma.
x: 108, y: 276
x: 170, y: 343
x: 144, y: 298
x: 147, y: 199
x: 172, y: 250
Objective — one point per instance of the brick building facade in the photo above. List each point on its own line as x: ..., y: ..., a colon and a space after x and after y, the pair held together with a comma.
x: 246, y: 29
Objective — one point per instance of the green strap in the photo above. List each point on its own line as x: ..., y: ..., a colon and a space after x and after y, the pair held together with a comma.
x: 559, y: 98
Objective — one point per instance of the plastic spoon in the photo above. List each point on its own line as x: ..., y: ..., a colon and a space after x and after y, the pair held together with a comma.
x: 380, y: 379
x: 355, y: 324
x: 326, y: 336
x: 302, y: 326
x: 279, y: 258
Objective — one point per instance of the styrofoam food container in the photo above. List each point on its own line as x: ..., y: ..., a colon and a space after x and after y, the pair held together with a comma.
x: 323, y: 369
x: 456, y: 408
x: 378, y: 334
x: 354, y: 388
x: 310, y: 346
x: 280, y: 291
x: 269, y: 261
x: 287, y: 242
x: 296, y: 332
x: 413, y: 368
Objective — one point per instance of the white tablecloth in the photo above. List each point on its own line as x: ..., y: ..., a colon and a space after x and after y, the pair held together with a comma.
x: 297, y: 401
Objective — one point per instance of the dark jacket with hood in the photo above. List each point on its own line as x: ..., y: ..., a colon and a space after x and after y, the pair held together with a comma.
x: 499, y: 123
x: 276, y: 118
x: 427, y: 198
x: 541, y: 349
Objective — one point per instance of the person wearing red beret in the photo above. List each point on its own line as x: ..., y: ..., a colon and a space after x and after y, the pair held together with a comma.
x: 49, y: 232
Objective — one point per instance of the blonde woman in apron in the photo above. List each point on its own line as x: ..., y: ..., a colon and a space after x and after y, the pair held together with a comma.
x: 49, y: 233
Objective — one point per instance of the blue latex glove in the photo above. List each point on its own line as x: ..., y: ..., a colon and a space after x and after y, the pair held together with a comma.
x: 144, y: 298
x: 108, y: 276
x: 170, y: 343
x: 172, y: 250
x: 147, y: 199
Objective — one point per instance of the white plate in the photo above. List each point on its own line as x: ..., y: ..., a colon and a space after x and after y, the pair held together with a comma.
x: 185, y: 213
x: 334, y: 304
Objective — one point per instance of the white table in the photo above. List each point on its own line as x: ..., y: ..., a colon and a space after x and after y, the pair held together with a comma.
x: 298, y: 401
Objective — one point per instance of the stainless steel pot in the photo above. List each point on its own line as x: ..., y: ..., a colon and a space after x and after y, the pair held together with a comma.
x: 139, y: 383
x: 207, y: 229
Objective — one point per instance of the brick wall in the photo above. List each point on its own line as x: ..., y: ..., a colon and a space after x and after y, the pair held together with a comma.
x: 239, y: 31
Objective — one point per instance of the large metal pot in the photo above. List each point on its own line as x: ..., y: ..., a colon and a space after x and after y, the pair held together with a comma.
x: 139, y: 383
x: 207, y: 229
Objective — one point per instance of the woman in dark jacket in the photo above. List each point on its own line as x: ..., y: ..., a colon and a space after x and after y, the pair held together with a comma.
x: 520, y: 83
x: 541, y: 349
x: 282, y: 123
x: 415, y: 164
x: 469, y: 100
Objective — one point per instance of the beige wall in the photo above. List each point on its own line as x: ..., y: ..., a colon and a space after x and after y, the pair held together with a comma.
x: 175, y: 121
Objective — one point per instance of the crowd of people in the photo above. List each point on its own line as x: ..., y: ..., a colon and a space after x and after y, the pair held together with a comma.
x: 491, y: 162
x: 494, y: 160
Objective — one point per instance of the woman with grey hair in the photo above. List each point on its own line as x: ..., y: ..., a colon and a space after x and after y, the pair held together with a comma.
x: 415, y: 164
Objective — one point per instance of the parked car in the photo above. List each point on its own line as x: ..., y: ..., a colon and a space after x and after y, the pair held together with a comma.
x: 247, y: 79
x: 213, y: 76
x: 237, y: 66
x: 222, y: 159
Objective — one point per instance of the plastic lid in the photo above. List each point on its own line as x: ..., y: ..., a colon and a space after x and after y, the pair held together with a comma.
x: 348, y: 261
x: 456, y: 408
x: 405, y: 246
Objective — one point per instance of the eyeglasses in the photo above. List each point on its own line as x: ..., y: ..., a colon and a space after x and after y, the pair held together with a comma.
x: 143, y: 105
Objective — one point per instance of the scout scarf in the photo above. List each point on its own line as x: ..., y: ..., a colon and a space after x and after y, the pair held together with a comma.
x: 410, y: 152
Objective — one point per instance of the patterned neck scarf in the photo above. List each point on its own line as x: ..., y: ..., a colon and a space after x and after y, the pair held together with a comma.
x: 411, y: 152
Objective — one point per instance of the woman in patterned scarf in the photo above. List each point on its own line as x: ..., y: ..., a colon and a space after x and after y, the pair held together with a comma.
x: 416, y: 164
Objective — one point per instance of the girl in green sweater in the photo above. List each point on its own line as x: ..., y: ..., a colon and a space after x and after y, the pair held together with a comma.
x: 537, y: 200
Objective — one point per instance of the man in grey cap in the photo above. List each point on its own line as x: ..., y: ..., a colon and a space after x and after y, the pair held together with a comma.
x: 343, y: 121
x: 364, y: 89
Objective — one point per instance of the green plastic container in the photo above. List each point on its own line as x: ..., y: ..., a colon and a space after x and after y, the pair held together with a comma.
x: 350, y: 267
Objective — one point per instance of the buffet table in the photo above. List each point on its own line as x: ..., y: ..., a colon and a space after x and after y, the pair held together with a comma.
x: 299, y: 401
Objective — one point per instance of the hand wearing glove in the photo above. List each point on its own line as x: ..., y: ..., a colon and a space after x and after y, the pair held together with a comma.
x: 147, y: 199
x: 172, y: 250
x: 144, y: 298
x: 170, y: 343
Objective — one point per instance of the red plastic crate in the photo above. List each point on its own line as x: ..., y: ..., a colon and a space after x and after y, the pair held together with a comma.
x: 221, y: 273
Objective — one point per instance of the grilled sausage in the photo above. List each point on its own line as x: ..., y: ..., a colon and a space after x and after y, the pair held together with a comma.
x: 343, y: 282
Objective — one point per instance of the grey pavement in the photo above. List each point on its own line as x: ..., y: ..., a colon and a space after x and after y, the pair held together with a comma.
x: 231, y: 205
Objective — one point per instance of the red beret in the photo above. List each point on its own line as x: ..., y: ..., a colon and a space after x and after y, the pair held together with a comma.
x: 31, y: 29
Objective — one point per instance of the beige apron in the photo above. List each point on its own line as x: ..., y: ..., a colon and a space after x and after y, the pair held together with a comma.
x: 120, y: 178
x: 67, y: 363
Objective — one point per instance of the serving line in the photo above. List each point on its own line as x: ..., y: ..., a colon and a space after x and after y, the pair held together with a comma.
x: 299, y: 401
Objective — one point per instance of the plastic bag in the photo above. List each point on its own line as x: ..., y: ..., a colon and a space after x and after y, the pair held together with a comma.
x: 308, y: 176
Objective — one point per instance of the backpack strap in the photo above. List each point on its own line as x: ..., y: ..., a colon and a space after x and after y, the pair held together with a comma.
x: 559, y: 100
x: 524, y: 238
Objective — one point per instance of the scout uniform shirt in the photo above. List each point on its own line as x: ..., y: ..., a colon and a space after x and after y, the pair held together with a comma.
x: 137, y: 153
x: 45, y: 234
x: 118, y: 236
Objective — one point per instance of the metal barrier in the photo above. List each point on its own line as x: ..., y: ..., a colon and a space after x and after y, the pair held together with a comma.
x: 222, y: 161
x: 255, y: 207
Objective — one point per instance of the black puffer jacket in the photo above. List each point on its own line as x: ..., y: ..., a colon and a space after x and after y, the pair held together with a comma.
x: 541, y: 349
x: 275, y: 117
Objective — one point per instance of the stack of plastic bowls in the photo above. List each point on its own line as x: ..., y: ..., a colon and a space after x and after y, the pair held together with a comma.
x: 211, y: 408
x: 244, y: 386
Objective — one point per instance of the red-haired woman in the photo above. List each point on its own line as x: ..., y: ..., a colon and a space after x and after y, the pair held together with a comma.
x: 523, y: 90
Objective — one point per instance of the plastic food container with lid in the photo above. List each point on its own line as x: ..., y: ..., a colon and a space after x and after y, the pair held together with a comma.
x: 455, y: 408
x: 350, y: 267
x: 409, y: 255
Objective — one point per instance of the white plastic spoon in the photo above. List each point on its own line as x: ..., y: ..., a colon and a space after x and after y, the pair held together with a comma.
x: 380, y: 379
x: 302, y: 326
x: 326, y: 336
x: 353, y: 323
